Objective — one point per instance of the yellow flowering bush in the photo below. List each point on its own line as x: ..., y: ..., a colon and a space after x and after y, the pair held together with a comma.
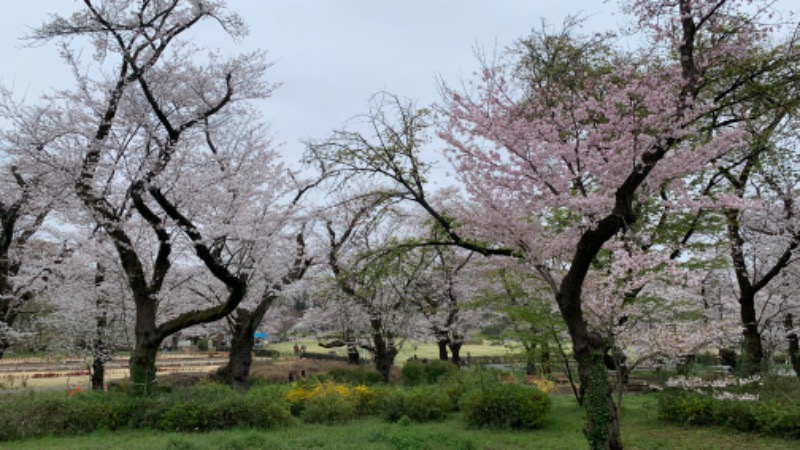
x: 543, y: 384
x: 328, y: 402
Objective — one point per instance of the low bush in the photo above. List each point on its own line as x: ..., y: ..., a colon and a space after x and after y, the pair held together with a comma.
x: 464, y: 381
x: 200, y: 408
x: 420, y: 404
x: 506, y: 405
x: 355, y: 375
x: 686, y: 408
x: 776, y: 413
x: 415, y: 373
x: 329, y: 402
x: 267, y: 353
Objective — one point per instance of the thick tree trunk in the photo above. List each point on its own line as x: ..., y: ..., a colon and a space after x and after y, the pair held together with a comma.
x: 455, y: 349
x: 236, y: 372
x: 385, y: 352
x: 442, y: 339
x: 602, y: 427
x: 98, y: 373
x: 143, y: 366
x: 753, y: 348
x: 602, y: 417
x: 143, y: 359
x: 9, y: 310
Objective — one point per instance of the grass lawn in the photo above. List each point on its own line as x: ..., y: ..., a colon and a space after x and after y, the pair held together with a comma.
x: 424, y: 350
x: 641, y: 430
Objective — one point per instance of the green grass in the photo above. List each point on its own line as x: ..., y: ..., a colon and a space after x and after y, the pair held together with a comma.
x: 429, y: 351
x: 641, y: 430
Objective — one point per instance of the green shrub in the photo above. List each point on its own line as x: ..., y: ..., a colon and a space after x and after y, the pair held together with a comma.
x: 416, y: 373
x: 329, y: 408
x: 266, y: 407
x: 437, y: 370
x: 37, y: 414
x: 198, y: 408
x: 413, y: 373
x: 463, y: 381
x: 686, y: 408
x: 506, y: 405
x: 735, y: 414
x: 355, y: 375
x: 267, y: 353
x: 420, y: 404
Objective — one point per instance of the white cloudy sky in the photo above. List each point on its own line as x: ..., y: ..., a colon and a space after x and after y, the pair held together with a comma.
x: 330, y: 55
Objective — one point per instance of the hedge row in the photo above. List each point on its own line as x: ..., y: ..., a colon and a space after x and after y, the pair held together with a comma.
x: 767, y: 416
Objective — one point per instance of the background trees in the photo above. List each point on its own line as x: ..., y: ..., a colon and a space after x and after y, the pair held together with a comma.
x: 155, y: 125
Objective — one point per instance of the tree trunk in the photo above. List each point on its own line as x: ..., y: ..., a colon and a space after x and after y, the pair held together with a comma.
x: 385, y: 352
x: 143, y: 366
x: 100, y: 348
x: 352, y: 348
x: 9, y: 310
x: 602, y: 418
x: 530, y: 359
x: 455, y: 349
x: 753, y: 348
x: 236, y: 372
x: 794, y: 344
x: 544, y: 359
x: 98, y: 373
x: 143, y: 359
x: 442, y: 339
x: 4, y: 344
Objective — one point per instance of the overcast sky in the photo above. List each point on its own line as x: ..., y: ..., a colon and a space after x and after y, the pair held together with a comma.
x: 331, y: 55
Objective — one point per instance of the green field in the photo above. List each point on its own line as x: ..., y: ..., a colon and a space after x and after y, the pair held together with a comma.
x: 641, y: 430
x: 424, y: 350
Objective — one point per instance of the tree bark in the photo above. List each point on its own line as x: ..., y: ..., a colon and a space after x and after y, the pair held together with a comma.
x: 143, y: 366
x: 353, y: 356
x: 237, y: 371
x: 442, y: 339
x: 385, y: 350
x: 794, y: 344
x: 530, y: 359
x: 98, y: 373
x: 753, y: 347
x: 100, y: 348
x: 455, y: 349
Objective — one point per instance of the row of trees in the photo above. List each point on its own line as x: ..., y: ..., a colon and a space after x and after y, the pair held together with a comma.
x: 612, y: 175
x: 639, y: 202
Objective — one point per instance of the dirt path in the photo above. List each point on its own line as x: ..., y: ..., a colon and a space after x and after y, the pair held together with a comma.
x: 41, y: 373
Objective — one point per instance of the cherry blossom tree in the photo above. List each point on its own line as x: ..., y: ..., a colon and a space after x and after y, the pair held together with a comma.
x: 89, y: 305
x: 763, y: 241
x: 591, y: 149
x: 146, y: 140
x: 446, y: 280
x: 369, y: 278
x: 559, y: 161
x: 24, y: 268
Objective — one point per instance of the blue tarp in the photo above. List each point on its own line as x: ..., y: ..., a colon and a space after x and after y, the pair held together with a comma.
x: 261, y: 335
